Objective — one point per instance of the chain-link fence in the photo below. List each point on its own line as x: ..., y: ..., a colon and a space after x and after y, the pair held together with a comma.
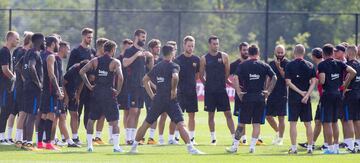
x: 232, y: 27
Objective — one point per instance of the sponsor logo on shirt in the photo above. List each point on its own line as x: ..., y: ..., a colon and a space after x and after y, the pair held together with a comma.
x: 335, y: 76
x: 357, y: 79
x: 254, y: 77
x: 220, y: 60
x: 160, y: 79
x: 297, y: 76
x: 103, y: 73
x: 194, y: 64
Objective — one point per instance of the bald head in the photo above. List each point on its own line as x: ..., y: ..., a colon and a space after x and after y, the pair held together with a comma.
x: 279, y: 52
x: 299, y: 50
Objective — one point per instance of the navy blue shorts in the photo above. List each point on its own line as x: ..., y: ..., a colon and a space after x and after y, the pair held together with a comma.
x: 188, y: 102
x: 48, y: 103
x: 135, y: 98
x: 352, y: 111
x: 276, y: 107
x: 161, y: 105
x: 32, y: 101
x: 218, y: 101
x: 252, y: 112
x: 298, y: 110
x: 18, y: 100
x: 330, y: 105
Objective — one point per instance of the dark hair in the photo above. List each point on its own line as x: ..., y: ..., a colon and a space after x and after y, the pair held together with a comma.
x: 127, y: 41
x: 167, y: 50
x: 37, y: 36
x: 243, y: 44
x: 253, y: 50
x: 109, y: 45
x: 139, y: 31
x: 86, y: 31
x: 154, y: 42
x: 212, y: 37
x: 317, y: 52
x: 49, y: 40
x: 328, y: 49
x: 63, y: 44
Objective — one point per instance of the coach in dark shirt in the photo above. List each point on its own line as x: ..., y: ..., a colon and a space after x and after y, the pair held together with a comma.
x: 331, y: 75
x: 276, y: 104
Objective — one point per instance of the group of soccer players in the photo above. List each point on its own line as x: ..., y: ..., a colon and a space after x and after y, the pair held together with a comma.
x: 35, y: 91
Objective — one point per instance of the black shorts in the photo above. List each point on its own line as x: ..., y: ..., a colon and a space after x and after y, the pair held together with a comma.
x: 103, y: 103
x: 237, y: 106
x: 72, y: 105
x: 330, y: 105
x: 298, y: 109
x: 188, y: 102
x: 148, y: 101
x: 161, y: 105
x: 276, y: 107
x: 318, y: 112
x: 135, y: 98
x: 352, y: 110
x: 252, y: 112
x: 218, y: 101
x: 32, y: 101
x: 122, y: 99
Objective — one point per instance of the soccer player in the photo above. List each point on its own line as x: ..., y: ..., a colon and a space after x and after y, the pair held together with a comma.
x: 51, y: 94
x: 100, y: 122
x: 80, y: 53
x: 244, y: 55
x: 154, y: 46
x: 7, y: 79
x: 352, y: 101
x: 33, y: 84
x: 122, y: 98
x: 106, y: 68
x: 165, y: 75
x: 331, y: 74
x: 134, y: 62
x: 276, y: 104
x: 317, y: 57
x: 72, y: 84
x: 64, y: 49
x: 214, y: 73
x: 18, y: 90
x: 188, y: 74
x: 300, y: 77
x: 253, y: 74
x: 173, y: 132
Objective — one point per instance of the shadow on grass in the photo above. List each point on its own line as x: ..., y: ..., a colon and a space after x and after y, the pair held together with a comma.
x: 4, y: 148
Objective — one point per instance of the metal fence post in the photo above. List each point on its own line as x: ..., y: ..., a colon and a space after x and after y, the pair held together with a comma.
x: 356, y: 28
x: 179, y: 33
x: 96, y: 21
x: 10, y: 17
x: 266, y: 31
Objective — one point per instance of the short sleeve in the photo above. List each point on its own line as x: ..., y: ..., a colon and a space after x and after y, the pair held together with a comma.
x: 288, y: 71
x: 321, y: 68
x: 269, y: 71
x: 197, y: 61
x: 4, y: 57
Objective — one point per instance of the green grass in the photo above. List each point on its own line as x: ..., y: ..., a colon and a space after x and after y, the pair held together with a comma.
x: 178, y: 153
